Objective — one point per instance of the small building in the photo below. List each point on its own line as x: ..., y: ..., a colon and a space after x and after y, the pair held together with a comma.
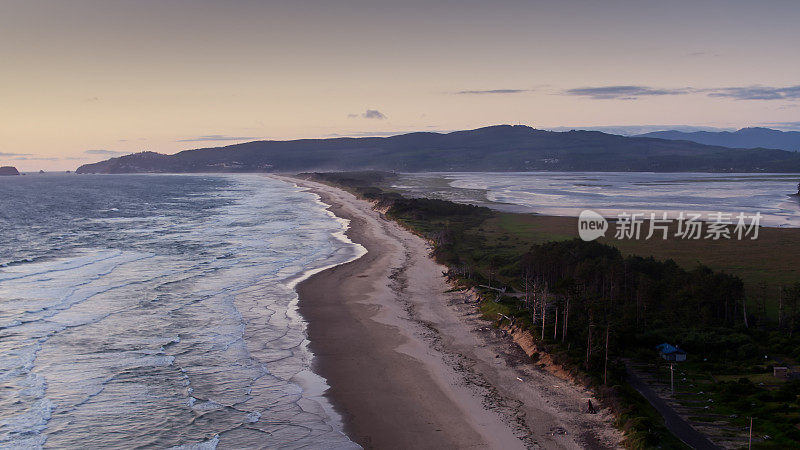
x: 780, y: 372
x: 671, y: 352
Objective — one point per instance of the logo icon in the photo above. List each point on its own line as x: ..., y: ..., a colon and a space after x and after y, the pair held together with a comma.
x: 591, y: 225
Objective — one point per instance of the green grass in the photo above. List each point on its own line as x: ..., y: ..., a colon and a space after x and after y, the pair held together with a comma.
x: 737, y: 397
x: 767, y: 378
x: 490, y: 309
x: 773, y: 258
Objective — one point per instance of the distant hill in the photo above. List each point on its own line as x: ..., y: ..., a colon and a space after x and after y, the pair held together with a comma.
x: 8, y: 170
x: 744, y: 138
x: 501, y: 148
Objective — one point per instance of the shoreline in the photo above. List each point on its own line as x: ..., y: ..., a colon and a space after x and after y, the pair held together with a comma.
x: 410, y: 364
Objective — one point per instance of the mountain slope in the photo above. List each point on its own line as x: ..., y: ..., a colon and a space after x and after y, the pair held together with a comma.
x: 497, y: 148
x: 744, y: 138
x: 8, y: 170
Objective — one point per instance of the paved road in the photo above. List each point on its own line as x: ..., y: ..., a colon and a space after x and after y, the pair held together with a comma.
x: 674, y: 422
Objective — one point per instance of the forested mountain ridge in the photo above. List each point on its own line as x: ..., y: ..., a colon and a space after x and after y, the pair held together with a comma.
x: 743, y: 138
x: 501, y: 148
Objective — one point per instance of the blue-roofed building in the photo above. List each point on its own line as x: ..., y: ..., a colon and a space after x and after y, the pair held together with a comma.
x: 671, y: 352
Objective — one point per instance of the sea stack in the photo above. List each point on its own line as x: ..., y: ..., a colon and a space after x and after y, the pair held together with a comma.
x: 8, y: 170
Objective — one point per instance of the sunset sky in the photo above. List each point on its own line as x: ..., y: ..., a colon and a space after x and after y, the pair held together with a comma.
x: 85, y: 80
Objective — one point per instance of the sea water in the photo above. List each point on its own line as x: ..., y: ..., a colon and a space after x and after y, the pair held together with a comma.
x: 610, y: 193
x: 159, y: 311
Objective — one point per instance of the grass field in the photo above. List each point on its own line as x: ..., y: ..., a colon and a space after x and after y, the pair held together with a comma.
x: 773, y: 258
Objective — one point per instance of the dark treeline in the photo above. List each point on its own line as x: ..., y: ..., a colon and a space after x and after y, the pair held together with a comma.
x: 647, y: 297
x: 635, y: 293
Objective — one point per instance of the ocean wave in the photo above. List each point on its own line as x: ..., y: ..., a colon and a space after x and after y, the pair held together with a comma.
x: 179, y: 322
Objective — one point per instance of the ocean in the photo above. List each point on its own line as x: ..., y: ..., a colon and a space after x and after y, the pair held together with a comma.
x: 159, y: 311
x: 609, y: 193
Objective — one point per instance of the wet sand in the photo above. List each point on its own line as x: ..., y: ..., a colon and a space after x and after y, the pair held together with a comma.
x: 411, y: 365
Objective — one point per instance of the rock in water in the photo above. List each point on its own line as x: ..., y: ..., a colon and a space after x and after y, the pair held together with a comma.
x: 9, y: 170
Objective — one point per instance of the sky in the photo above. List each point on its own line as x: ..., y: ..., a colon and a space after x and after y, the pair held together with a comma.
x: 81, y: 80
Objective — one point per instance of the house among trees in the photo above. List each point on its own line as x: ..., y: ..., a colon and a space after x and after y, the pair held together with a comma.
x: 786, y: 373
x: 780, y: 372
x: 671, y: 352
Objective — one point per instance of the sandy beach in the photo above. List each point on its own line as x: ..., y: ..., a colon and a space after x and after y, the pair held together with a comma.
x: 412, y: 365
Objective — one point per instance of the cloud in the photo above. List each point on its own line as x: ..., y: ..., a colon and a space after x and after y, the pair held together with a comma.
x: 35, y: 158
x: 623, y: 92
x: 494, y: 91
x: 104, y: 152
x: 704, y: 54
x: 369, y: 114
x: 736, y: 93
x: 366, y: 134
x: 631, y: 130
x: 373, y: 114
x: 217, y: 137
x: 431, y: 129
x: 758, y: 93
x: 785, y: 126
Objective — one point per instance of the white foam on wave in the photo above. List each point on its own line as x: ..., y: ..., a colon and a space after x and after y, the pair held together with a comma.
x: 313, y: 386
x: 340, y: 235
x: 19, y: 430
x: 18, y: 361
x: 34, y: 386
x: 52, y: 287
x: 209, y: 444
x: 131, y: 360
x: 208, y: 405
x: 58, y: 265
